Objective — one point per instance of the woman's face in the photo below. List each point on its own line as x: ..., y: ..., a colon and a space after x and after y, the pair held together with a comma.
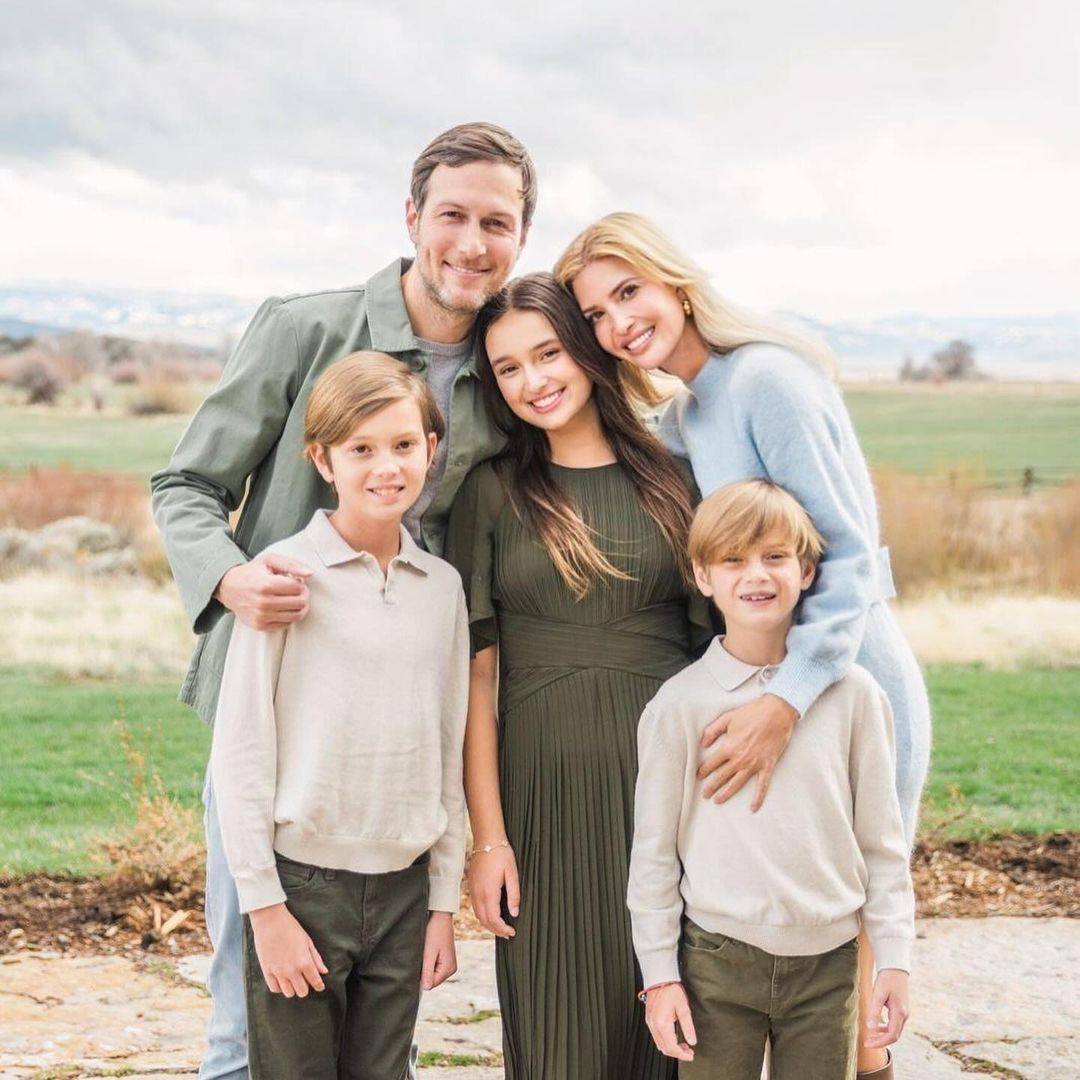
x: 538, y: 379
x: 634, y: 318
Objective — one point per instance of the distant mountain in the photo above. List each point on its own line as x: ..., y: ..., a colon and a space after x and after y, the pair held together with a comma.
x: 16, y: 328
x: 1029, y: 348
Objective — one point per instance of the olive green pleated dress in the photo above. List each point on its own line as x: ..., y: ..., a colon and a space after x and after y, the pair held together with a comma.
x: 574, y: 677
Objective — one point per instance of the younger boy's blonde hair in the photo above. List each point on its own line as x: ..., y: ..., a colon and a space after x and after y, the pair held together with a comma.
x: 736, y: 517
x: 358, y: 386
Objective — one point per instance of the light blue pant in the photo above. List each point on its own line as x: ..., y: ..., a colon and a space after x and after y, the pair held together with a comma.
x: 226, y: 1031
x: 226, y: 1055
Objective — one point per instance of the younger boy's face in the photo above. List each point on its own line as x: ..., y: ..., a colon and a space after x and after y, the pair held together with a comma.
x: 379, y: 470
x: 758, y: 588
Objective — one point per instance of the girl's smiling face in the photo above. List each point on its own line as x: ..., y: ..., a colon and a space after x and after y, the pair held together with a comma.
x: 633, y: 317
x: 380, y: 469
x: 539, y: 380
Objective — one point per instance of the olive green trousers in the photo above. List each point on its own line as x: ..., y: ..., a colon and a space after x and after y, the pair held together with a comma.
x: 369, y: 930
x: 807, y: 1007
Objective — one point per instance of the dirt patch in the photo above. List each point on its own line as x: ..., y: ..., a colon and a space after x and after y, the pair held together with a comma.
x: 1007, y: 875
x: 101, y: 916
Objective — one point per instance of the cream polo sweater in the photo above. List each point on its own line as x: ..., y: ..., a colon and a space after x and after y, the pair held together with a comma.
x: 338, y: 741
x: 825, y: 850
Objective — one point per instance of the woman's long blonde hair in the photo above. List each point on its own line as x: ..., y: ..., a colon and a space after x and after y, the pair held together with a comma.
x: 636, y: 240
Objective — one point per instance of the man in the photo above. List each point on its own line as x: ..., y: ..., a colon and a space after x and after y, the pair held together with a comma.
x: 472, y: 197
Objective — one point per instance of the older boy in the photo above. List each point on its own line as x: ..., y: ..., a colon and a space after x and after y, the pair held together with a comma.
x: 337, y: 753
x: 745, y: 923
x: 471, y: 201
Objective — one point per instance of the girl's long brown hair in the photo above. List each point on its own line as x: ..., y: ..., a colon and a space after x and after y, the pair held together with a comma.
x: 547, y: 511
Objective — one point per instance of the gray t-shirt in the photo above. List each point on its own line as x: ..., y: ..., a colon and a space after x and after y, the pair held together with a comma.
x: 446, y: 361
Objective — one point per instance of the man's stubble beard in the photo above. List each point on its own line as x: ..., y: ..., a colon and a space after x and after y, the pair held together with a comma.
x: 444, y: 303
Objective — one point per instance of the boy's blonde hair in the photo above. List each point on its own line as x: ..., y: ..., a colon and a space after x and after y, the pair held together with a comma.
x: 358, y: 386
x: 735, y: 517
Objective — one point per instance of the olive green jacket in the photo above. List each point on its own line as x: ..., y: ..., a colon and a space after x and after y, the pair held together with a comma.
x: 248, y: 436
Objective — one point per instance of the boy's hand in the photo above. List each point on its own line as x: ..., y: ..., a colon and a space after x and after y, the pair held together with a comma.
x: 663, y: 1006
x: 755, y: 735
x: 289, y: 960
x: 891, y: 996
x: 440, y: 959
x: 489, y: 872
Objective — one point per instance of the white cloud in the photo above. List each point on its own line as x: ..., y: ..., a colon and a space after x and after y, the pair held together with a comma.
x: 831, y: 158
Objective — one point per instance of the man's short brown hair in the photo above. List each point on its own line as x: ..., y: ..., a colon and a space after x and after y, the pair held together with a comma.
x: 478, y: 141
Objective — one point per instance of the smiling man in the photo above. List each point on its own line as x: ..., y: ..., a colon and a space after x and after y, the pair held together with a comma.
x: 471, y: 201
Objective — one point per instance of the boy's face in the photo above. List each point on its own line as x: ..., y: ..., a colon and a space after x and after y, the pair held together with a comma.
x: 758, y: 588
x: 468, y: 233
x: 379, y: 470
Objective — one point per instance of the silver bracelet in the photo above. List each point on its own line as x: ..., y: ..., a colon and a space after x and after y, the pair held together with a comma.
x: 487, y: 849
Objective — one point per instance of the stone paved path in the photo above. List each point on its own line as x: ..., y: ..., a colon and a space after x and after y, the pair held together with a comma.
x: 993, y: 997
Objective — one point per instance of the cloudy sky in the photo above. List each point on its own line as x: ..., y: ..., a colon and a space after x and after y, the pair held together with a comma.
x: 845, y: 158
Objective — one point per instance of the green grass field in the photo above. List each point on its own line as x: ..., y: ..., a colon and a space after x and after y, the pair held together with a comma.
x: 85, y: 442
x: 994, y: 428
x: 1004, y: 757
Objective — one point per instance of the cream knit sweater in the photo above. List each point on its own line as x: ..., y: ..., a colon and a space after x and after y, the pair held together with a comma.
x: 338, y: 741
x: 825, y: 851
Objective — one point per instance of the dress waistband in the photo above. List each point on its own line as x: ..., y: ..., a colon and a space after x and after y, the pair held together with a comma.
x: 652, y: 642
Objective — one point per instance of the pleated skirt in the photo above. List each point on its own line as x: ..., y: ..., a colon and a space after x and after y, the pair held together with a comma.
x: 568, y: 981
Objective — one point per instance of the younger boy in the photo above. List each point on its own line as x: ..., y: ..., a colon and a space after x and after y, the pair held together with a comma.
x: 337, y: 752
x: 745, y: 923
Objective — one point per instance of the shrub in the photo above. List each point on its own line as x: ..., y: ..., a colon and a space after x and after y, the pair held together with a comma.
x: 40, y: 379
x: 156, y: 396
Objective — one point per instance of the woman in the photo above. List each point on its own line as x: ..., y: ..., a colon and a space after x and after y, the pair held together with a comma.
x: 759, y: 400
x: 572, y: 552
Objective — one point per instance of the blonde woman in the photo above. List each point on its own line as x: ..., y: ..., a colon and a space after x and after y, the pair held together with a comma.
x: 759, y: 399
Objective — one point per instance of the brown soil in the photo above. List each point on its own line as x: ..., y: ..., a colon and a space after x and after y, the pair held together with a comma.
x: 1006, y: 875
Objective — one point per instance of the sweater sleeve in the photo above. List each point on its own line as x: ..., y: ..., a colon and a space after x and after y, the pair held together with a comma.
x: 448, y: 853
x: 243, y: 761
x: 795, y: 420
x: 889, y: 912
x: 230, y: 434
x: 653, y: 895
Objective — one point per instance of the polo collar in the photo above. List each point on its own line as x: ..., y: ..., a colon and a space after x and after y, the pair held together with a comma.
x: 334, y: 550
x: 729, y: 671
x: 388, y: 319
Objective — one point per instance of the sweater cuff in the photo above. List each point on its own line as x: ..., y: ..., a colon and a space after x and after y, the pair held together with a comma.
x: 259, y: 889
x: 892, y: 952
x: 800, y: 681
x: 444, y: 894
x: 661, y: 966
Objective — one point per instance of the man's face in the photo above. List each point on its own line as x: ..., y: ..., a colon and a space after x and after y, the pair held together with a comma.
x: 468, y: 234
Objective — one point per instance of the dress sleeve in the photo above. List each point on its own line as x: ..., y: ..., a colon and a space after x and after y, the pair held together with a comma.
x: 796, y: 420
x: 470, y: 549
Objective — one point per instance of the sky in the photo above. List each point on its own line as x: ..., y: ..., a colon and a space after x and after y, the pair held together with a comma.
x: 837, y: 159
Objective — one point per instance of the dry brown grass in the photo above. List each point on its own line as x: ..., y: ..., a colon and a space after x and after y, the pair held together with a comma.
x: 163, y: 848
x: 157, y: 394
x: 32, y: 499
x: 951, y: 532
x: 94, y: 627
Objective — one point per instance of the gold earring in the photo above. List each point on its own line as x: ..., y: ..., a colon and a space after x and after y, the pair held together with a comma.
x: 686, y: 306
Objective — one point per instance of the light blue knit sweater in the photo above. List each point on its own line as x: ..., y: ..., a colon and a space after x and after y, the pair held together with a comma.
x: 762, y: 411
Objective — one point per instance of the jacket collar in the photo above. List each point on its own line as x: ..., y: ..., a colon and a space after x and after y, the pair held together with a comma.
x: 729, y: 671
x: 334, y: 550
x: 388, y: 319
